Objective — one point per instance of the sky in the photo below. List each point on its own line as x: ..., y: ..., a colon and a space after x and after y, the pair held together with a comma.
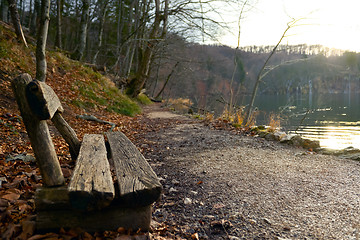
x: 332, y: 23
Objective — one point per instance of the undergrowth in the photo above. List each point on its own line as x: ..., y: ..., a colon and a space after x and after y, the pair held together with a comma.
x: 75, y: 83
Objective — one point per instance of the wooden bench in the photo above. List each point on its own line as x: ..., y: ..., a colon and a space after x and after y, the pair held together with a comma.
x: 91, y: 200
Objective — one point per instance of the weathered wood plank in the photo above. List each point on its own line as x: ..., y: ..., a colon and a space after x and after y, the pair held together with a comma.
x: 39, y: 135
x: 68, y: 134
x: 54, y: 211
x: 45, y: 104
x: 91, y: 186
x: 42, y: 99
x: 138, y: 184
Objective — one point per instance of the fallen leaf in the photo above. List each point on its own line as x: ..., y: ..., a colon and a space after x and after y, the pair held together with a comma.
x: 195, y: 236
x: 86, y: 236
x: 11, y: 231
x: 11, y: 196
x: 4, y: 203
x: 47, y: 236
x: 121, y: 230
x: 28, y: 229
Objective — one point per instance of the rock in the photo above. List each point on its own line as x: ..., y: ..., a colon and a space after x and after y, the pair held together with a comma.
x: 216, y: 224
x: 187, y: 201
x: 252, y: 221
x: 286, y: 229
x: 175, y: 182
x: 222, y: 224
x: 354, y: 156
x: 194, y: 192
x: 172, y: 190
x: 267, y: 221
x: 233, y: 238
x: 279, y: 135
x: 209, y: 217
x: 262, y: 134
x: 270, y: 137
x: 313, y: 144
x: 286, y: 138
x: 296, y: 140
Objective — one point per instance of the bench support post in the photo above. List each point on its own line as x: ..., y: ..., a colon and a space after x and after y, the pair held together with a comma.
x: 39, y: 135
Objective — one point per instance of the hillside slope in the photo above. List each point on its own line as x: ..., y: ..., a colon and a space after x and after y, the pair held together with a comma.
x: 81, y: 91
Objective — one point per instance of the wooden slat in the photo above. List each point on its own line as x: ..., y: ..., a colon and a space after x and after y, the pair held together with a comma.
x: 138, y: 184
x: 91, y: 186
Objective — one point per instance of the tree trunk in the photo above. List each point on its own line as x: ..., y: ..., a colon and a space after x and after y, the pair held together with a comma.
x: 41, y: 41
x: 59, y: 11
x: 167, y: 80
x: 260, y: 75
x: 137, y: 83
x: 30, y: 13
x: 4, y: 10
x: 34, y: 17
x: 16, y: 21
x: 79, y: 52
x: 101, y: 28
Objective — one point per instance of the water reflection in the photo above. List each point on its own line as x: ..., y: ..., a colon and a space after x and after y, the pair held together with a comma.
x: 333, y: 137
x: 333, y: 119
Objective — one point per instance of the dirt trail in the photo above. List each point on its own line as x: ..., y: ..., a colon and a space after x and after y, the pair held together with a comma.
x: 221, y: 185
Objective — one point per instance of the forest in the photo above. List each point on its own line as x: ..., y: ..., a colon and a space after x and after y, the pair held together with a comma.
x: 159, y: 47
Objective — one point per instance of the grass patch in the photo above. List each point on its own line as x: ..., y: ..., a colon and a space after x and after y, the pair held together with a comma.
x: 101, y: 92
x: 3, y: 50
x: 143, y: 99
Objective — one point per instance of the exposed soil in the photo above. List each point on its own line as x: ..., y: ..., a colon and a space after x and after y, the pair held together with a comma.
x: 220, y: 184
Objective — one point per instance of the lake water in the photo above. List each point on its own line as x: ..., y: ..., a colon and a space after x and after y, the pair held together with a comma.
x: 333, y: 119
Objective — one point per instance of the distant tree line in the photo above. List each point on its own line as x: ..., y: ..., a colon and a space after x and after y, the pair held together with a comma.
x: 206, y: 74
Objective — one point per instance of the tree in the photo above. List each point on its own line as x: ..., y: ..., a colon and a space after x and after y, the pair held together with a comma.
x: 34, y: 16
x: 137, y: 83
x: 79, y: 52
x: 16, y: 21
x: 261, y: 73
x: 102, y: 17
x: 4, y: 10
x: 41, y: 41
x: 59, y: 10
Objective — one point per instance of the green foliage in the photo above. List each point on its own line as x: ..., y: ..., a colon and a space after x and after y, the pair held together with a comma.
x: 143, y: 99
x: 102, y: 93
x: 3, y: 50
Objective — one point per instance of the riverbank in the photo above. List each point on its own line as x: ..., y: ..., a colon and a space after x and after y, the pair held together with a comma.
x: 220, y: 184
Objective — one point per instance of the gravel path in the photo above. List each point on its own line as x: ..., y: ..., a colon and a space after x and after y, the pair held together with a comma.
x: 220, y: 185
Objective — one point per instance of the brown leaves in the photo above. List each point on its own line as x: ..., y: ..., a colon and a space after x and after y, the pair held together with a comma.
x: 11, y: 196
